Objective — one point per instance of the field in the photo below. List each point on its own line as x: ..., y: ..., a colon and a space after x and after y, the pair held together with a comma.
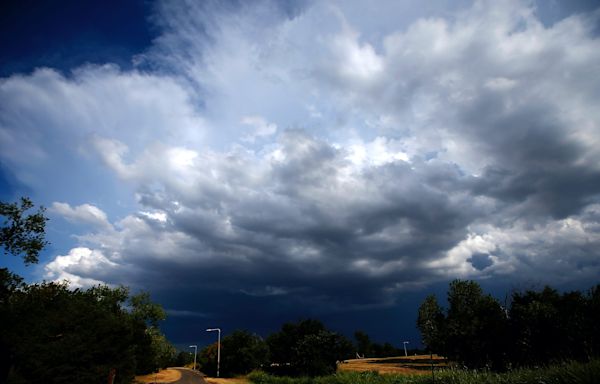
x: 394, y: 365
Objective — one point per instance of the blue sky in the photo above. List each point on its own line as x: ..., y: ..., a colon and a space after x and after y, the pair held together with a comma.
x: 250, y: 163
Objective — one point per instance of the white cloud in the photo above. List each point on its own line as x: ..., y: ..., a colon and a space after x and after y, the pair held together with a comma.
x: 79, y: 267
x: 261, y: 127
x: 85, y: 213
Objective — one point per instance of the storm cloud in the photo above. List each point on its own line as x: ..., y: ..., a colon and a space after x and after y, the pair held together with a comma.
x: 302, y: 158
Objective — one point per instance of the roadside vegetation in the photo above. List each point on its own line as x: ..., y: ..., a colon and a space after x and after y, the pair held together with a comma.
x: 572, y: 373
x: 54, y: 333
x: 532, y: 328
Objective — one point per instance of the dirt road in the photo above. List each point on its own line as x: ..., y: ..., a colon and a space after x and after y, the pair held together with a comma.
x: 189, y: 377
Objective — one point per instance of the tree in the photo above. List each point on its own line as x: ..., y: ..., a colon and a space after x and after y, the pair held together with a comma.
x: 153, y: 350
x: 430, y: 322
x: 55, y: 334
x: 144, y: 310
x: 59, y: 335
x: 183, y: 358
x: 476, y: 326
x: 242, y: 352
x: 308, y: 349
x: 364, y: 345
x: 21, y: 234
x: 592, y: 315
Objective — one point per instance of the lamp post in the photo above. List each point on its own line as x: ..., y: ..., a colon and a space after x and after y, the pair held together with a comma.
x: 195, y: 352
x: 405, y: 352
x: 218, y: 346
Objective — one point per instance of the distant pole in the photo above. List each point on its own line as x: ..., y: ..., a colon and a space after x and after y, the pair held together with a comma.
x: 195, y: 352
x: 405, y: 351
x: 218, y: 347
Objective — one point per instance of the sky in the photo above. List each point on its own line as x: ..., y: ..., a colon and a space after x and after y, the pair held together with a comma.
x: 255, y: 162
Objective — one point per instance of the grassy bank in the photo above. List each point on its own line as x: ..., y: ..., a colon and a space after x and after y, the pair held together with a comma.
x: 576, y: 373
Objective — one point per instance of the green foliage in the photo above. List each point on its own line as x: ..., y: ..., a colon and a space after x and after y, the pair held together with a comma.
x: 308, y: 348
x: 163, y: 352
x: 542, y: 320
x: 241, y: 352
x: 183, y: 358
x: 573, y: 372
x: 21, y: 234
x: 208, y: 359
x: 363, y: 344
x: 58, y: 335
x: 538, y: 327
x: 144, y: 310
x: 431, y: 322
x: 55, y: 334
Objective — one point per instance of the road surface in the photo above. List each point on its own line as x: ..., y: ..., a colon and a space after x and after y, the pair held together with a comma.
x: 189, y: 377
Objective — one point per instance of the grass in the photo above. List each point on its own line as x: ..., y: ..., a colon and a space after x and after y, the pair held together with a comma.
x: 567, y: 373
x: 163, y: 376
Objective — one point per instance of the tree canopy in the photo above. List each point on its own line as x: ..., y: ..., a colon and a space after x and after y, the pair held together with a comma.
x: 538, y: 327
x: 54, y: 333
x: 23, y: 234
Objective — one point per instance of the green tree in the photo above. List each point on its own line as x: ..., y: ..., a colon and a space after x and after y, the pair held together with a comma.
x: 183, y: 358
x: 55, y: 334
x: 364, y: 345
x: 548, y: 326
x: 476, y: 327
x: 162, y: 350
x: 593, y: 321
x: 431, y: 323
x: 58, y: 335
x: 308, y: 349
x: 241, y: 352
x: 207, y: 358
x: 144, y: 310
x: 22, y: 234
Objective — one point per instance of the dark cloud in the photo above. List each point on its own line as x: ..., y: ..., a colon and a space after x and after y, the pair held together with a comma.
x: 393, y: 160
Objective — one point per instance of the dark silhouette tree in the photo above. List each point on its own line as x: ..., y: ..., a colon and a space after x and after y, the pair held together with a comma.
x: 307, y: 349
x: 364, y: 346
x: 23, y: 234
x: 241, y: 352
x: 431, y: 324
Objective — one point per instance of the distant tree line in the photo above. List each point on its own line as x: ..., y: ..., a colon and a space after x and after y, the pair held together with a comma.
x: 534, y: 328
x: 304, y: 348
x: 51, y: 333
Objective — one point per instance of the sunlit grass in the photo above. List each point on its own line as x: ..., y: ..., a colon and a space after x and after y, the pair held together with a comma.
x: 163, y: 376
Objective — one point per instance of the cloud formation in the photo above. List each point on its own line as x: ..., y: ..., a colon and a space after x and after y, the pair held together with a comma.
x: 304, y: 155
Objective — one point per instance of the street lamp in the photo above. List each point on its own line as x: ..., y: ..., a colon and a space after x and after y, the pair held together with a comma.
x: 195, y: 352
x: 218, y: 347
x: 405, y: 352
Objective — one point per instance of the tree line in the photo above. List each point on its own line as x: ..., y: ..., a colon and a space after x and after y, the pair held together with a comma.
x: 303, y: 348
x: 534, y: 327
x: 52, y: 333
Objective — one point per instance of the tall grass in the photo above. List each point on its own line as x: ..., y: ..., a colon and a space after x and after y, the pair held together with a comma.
x: 567, y: 373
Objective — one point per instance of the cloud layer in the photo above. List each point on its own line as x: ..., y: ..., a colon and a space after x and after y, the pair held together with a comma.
x: 303, y: 156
